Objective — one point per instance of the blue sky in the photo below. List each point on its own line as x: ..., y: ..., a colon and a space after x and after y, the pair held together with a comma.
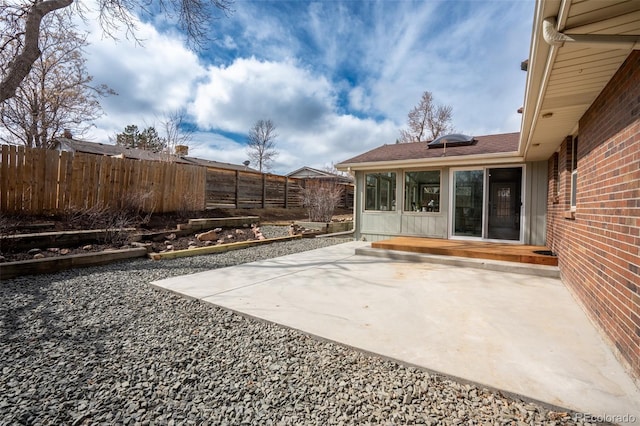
x: 336, y: 77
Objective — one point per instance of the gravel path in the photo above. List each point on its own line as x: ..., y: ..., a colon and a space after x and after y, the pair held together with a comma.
x: 100, y: 346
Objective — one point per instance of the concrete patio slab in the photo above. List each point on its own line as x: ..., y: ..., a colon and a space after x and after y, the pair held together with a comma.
x: 519, y: 333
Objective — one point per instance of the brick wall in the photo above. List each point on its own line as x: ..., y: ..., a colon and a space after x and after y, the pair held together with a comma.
x: 599, y: 247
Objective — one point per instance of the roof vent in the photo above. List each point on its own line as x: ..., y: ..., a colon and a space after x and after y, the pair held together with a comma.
x: 455, y: 139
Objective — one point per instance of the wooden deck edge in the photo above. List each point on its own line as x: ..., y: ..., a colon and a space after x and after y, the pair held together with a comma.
x: 218, y: 249
x: 471, y: 252
x: 545, y: 271
x: 59, y: 263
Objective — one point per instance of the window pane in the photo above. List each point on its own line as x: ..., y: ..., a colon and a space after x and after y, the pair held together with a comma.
x: 467, y: 202
x: 574, y: 181
x: 574, y: 170
x: 381, y: 191
x: 422, y: 191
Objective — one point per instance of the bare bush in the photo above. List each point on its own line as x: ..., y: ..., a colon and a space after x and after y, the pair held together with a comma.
x: 134, y: 210
x: 186, y: 208
x: 139, y: 206
x: 321, y: 199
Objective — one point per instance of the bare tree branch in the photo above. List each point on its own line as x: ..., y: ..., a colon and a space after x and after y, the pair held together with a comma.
x: 427, y: 121
x: 261, y: 144
x: 57, y: 94
x: 20, y: 27
x: 22, y: 63
x: 176, y: 132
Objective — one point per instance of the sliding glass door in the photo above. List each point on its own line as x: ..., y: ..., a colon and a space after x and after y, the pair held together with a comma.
x: 487, y: 203
x: 468, y: 190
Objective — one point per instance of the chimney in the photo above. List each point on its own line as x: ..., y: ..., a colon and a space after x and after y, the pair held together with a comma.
x: 67, y: 134
x: 182, y: 150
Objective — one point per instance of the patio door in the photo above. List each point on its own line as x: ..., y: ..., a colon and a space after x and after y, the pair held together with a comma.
x: 505, y: 202
x: 486, y: 203
x: 468, y: 191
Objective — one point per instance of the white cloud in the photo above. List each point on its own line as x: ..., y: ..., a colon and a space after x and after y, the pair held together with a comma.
x: 216, y: 147
x: 233, y: 98
x: 336, y: 78
x: 302, y: 105
x: 151, y: 79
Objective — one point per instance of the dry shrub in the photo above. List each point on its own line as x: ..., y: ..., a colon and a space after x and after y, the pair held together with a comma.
x: 321, y: 199
x: 133, y: 212
x: 138, y: 206
x: 186, y: 208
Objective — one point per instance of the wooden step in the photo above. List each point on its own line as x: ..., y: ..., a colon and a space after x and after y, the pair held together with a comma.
x: 471, y: 249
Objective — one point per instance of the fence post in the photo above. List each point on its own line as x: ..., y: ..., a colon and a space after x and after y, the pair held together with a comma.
x: 286, y: 192
x: 264, y: 190
x: 237, y: 195
x: 5, y: 171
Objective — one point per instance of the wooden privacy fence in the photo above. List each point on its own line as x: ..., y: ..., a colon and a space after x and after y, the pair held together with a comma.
x: 38, y: 181
x: 246, y: 190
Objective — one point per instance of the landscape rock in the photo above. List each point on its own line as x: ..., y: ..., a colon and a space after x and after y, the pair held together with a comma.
x: 38, y: 256
x: 208, y: 236
x: 139, y: 244
x: 105, y: 347
x: 34, y: 251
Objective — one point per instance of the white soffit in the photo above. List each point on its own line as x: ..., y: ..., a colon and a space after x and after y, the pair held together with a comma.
x: 575, y: 74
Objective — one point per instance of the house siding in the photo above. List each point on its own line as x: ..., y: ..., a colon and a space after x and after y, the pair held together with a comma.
x: 379, y: 225
x: 598, y: 245
x: 535, y: 218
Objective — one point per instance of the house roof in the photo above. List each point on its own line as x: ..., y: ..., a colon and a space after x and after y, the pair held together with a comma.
x: 310, y: 172
x: 141, y: 154
x: 218, y: 164
x: 392, y: 154
x: 567, y: 74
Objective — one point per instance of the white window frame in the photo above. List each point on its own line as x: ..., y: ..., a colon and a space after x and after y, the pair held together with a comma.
x: 404, y: 189
x: 573, y: 195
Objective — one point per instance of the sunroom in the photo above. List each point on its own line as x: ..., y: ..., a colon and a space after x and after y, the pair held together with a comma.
x: 455, y: 187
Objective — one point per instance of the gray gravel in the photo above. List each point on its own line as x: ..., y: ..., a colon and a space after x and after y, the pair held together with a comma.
x: 100, y: 346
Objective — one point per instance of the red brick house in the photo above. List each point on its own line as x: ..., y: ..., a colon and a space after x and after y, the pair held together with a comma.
x: 570, y: 181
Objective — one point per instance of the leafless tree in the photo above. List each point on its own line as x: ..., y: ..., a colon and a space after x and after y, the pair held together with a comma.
x: 334, y: 171
x: 261, y: 144
x: 321, y: 198
x: 427, y: 121
x: 57, y: 94
x: 176, y: 132
x: 21, y: 22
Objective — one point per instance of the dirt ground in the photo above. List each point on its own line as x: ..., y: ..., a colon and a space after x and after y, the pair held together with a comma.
x: 11, y: 225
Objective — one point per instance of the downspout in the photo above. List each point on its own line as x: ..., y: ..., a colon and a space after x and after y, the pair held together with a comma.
x: 599, y: 41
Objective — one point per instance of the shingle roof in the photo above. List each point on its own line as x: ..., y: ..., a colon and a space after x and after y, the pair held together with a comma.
x: 489, y: 144
x: 315, y: 173
x: 141, y: 154
x: 217, y: 164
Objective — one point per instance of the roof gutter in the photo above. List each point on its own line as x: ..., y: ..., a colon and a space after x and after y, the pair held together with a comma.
x: 555, y: 38
x: 459, y: 160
